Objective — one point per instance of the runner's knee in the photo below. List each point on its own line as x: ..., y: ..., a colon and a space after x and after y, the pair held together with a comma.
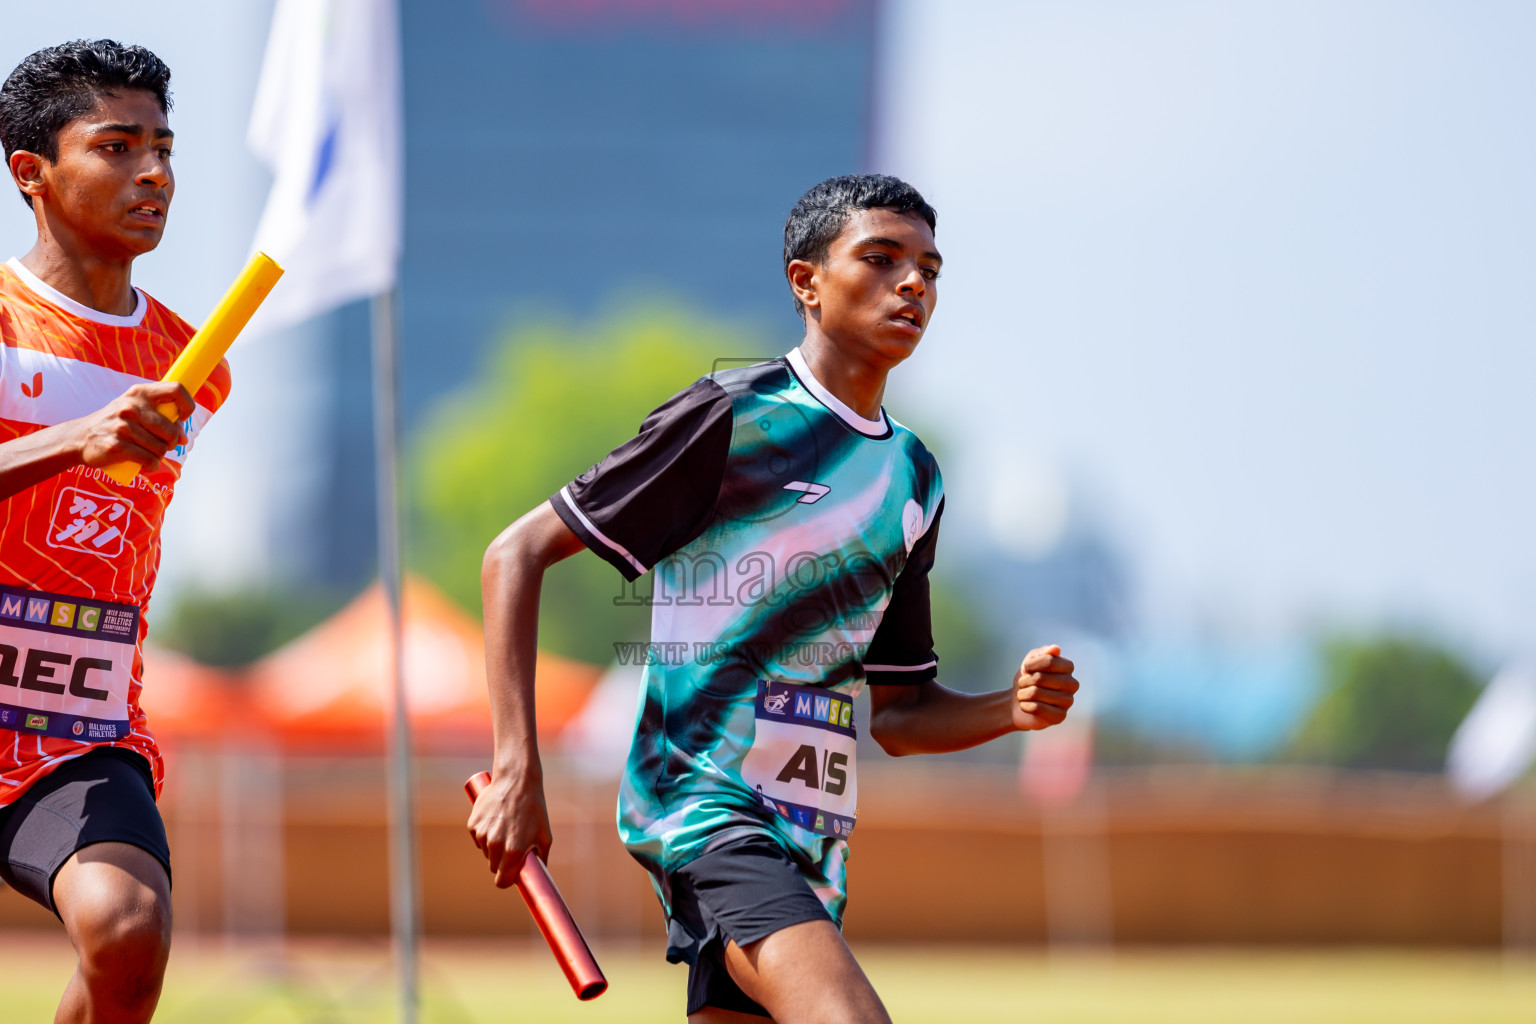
x: 120, y: 924
x: 134, y: 939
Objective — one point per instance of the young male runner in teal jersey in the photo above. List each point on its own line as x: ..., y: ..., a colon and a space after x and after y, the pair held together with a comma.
x: 792, y: 524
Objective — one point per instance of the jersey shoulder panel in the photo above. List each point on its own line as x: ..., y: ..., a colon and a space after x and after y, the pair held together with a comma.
x: 161, y: 319
x: 748, y: 383
x: 36, y: 321
x: 657, y: 491
x: 27, y: 320
x: 924, y: 464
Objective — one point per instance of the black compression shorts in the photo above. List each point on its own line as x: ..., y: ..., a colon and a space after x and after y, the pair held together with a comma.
x: 741, y: 891
x: 104, y: 796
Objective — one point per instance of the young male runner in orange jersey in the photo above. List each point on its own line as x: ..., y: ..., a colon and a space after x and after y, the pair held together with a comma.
x: 88, y: 145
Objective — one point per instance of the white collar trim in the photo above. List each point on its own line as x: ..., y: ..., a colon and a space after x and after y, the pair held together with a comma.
x: 69, y: 305
x: 872, y: 428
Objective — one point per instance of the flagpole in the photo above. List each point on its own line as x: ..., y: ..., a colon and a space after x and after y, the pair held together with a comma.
x: 404, y: 911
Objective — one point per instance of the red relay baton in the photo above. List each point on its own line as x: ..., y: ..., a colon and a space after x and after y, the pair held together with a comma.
x: 552, y: 915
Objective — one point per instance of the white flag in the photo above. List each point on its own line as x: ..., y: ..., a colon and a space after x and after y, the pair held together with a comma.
x: 327, y: 122
x: 1496, y: 742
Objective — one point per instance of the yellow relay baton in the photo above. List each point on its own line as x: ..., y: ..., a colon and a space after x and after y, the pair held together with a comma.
x: 213, y: 339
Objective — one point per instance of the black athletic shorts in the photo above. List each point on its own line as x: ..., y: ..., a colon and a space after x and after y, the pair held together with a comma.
x: 744, y: 890
x: 104, y: 796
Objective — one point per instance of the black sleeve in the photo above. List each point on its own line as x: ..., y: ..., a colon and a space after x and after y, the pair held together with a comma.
x: 902, y: 651
x: 657, y: 491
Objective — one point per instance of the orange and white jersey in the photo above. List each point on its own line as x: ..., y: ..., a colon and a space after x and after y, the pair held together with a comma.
x: 79, y: 552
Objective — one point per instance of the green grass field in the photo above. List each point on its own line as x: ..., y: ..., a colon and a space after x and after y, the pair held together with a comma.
x: 469, y: 983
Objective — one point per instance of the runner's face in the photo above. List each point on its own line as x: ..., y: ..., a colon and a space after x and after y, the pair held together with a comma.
x: 112, y: 184
x: 879, y: 283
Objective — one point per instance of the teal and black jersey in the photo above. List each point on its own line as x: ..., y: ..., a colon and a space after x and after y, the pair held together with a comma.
x: 791, y: 540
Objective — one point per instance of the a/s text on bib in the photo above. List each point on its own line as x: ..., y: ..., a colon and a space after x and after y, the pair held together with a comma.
x: 802, y: 758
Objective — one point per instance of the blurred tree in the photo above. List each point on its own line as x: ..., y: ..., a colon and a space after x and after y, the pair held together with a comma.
x: 971, y: 656
x: 1118, y: 742
x: 1388, y: 702
x: 237, y: 627
x: 553, y: 400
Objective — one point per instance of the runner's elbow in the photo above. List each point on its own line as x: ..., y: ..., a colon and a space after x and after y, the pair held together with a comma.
x: 497, y: 554
x: 504, y: 556
x: 886, y: 729
x: 534, y: 542
x: 516, y: 545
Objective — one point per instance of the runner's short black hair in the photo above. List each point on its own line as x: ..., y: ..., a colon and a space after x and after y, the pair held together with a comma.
x: 820, y: 215
x: 54, y: 86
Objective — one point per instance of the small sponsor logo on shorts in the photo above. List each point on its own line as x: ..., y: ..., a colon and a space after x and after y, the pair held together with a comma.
x: 37, y: 721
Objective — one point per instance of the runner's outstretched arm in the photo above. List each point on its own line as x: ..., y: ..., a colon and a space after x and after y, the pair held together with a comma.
x: 510, y: 816
x: 931, y: 719
x: 130, y: 429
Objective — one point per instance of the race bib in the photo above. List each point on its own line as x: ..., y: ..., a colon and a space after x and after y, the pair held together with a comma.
x: 65, y: 665
x: 802, y: 759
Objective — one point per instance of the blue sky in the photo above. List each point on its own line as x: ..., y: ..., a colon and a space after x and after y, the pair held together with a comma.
x: 1252, y: 282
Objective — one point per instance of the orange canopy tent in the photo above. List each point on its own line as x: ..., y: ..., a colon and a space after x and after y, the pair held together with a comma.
x: 331, y: 687
x: 187, y: 700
